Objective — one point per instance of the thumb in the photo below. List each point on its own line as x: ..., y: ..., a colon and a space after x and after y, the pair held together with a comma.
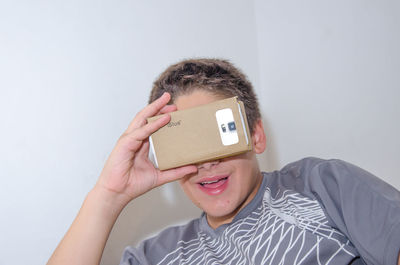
x: 175, y: 174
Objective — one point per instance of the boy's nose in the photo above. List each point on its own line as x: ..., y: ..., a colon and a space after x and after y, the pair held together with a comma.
x: 207, y: 165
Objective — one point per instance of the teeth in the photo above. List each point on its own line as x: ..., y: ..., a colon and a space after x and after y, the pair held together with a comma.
x: 210, y: 182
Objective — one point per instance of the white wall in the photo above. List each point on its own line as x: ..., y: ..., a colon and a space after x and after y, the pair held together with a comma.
x: 74, y: 73
x: 330, y: 81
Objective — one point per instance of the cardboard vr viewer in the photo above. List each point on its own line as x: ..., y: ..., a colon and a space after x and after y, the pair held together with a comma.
x: 203, y: 133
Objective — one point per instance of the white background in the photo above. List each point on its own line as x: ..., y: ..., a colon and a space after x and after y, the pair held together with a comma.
x: 74, y: 73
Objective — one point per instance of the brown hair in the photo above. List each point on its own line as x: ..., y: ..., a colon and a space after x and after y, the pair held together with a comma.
x: 216, y: 76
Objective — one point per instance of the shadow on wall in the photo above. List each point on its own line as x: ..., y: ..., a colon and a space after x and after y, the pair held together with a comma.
x: 163, y: 207
x: 269, y: 160
x: 146, y: 216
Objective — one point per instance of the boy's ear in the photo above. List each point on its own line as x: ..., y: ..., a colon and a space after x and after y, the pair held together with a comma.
x: 258, y: 137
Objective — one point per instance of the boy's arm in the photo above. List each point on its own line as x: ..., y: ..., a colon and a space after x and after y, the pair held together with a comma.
x: 85, y: 240
x: 127, y: 174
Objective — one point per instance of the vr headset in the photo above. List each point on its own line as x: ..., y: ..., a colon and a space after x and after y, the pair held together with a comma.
x: 203, y: 133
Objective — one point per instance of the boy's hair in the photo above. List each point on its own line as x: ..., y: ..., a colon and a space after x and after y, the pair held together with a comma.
x: 216, y: 76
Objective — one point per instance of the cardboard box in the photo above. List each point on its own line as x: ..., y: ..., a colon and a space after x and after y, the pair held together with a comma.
x: 204, y: 133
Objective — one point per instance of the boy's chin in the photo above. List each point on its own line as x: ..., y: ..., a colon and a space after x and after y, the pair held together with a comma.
x: 224, y: 215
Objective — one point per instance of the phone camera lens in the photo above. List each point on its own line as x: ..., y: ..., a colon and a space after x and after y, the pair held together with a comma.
x: 232, y: 126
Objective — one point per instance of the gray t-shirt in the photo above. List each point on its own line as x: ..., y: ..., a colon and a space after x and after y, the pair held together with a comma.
x: 312, y: 211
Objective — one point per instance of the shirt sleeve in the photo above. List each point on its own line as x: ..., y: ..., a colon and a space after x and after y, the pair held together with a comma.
x: 133, y: 256
x: 363, y: 207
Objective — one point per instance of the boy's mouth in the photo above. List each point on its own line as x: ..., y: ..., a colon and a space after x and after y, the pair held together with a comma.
x: 214, y: 185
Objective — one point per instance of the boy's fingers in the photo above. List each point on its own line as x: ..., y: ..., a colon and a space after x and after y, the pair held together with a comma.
x: 154, y: 107
x: 175, y: 174
x: 142, y: 133
x: 145, y: 131
x: 167, y: 109
x: 148, y: 111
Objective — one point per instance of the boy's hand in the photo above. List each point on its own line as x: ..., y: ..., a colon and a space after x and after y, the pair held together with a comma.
x: 128, y: 172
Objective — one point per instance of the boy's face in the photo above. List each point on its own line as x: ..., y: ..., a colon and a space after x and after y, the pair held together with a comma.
x: 222, y: 188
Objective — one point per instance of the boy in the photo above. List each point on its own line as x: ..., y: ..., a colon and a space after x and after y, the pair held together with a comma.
x: 311, y: 212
